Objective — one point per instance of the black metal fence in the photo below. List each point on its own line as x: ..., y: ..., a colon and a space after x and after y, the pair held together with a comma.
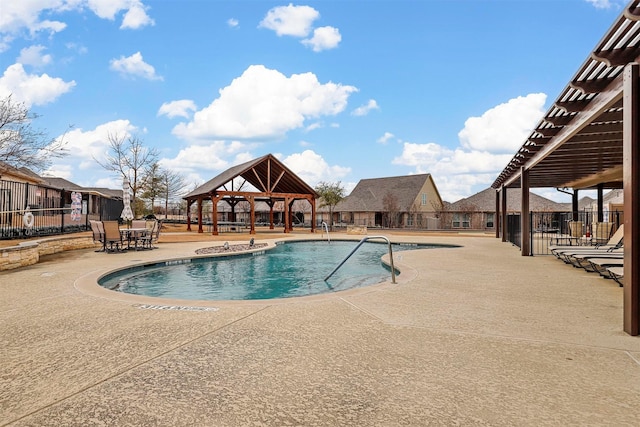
x: 563, y: 228
x: 35, y: 210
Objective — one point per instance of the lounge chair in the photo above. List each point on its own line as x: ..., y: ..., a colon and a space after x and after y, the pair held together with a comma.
x: 112, y: 237
x: 613, y: 242
x: 617, y: 274
x: 582, y: 259
x: 599, y: 265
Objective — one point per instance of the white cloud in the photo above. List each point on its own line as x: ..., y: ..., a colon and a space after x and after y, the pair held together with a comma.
x: 20, y: 15
x: 181, y: 108
x: 312, y: 168
x: 324, y: 38
x: 233, y: 23
x: 600, y: 4
x: 136, y: 17
x: 264, y: 103
x: 134, y: 65
x: 33, y: 56
x: 384, y: 139
x: 363, y: 110
x: 487, y: 144
x: 85, y: 147
x: 503, y: 128
x: 290, y: 20
x: 30, y: 88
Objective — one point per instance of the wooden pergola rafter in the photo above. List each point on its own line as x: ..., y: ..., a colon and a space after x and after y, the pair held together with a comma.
x: 271, y: 182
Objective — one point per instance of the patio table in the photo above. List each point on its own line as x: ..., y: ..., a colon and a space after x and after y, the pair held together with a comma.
x: 134, y: 234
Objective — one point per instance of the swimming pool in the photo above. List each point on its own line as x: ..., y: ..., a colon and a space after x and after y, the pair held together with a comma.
x: 290, y: 269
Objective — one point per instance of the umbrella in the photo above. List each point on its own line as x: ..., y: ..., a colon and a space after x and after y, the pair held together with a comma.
x: 126, y: 214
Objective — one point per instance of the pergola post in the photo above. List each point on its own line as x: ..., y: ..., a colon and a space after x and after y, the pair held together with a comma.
x: 600, y: 202
x: 504, y: 213
x: 525, y: 229
x: 631, y: 185
x: 496, y: 221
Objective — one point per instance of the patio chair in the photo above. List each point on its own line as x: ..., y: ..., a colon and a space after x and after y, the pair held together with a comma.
x: 112, y: 237
x: 139, y: 223
x: 98, y: 233
x: 149, y: 239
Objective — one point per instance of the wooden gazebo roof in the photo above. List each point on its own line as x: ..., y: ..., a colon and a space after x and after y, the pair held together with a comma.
x: 269, y: 181
x: 270, y: 177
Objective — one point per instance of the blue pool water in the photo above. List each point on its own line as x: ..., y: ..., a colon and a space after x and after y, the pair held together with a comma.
x: 289, y: 270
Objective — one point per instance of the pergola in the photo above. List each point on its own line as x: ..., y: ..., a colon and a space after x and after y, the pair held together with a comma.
x: 264, y: 179
x: 590, y: 139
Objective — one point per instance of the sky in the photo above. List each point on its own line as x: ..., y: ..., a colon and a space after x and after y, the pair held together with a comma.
x: 338, y: 90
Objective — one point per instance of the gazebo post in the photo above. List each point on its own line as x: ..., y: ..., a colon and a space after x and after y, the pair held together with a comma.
x: 189, y: 203
x: 252, y: 204
x: 312, y: 200
x: 199, y: 215
x: 214, y: 212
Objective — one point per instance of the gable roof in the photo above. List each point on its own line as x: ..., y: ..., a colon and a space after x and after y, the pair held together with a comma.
x: 485, y: 201
x: 368, y: 194
x: 22, y: 172
x: 267, y: 174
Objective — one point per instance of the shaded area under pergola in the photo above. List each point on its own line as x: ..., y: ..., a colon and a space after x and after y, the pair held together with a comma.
x: 590, y: 139
x: 264, y: 179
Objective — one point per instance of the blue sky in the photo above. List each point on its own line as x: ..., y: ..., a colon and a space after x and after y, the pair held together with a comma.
x: 337, y: 90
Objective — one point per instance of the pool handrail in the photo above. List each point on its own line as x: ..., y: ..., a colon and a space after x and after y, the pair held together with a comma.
x: 364, y: 239
x: 326, y: 227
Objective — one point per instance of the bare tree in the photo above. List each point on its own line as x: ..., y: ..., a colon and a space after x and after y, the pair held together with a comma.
x: 129, y: 157
x: 173, y: 184
x: 390, y: 205
x: 152, y: 185
x: 21, y: 145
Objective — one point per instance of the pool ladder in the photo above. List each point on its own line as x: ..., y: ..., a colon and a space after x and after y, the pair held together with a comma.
x: 325, y: 227
x: 393, y: 270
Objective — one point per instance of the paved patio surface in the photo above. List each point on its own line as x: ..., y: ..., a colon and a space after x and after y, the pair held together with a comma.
x: 476, y: 335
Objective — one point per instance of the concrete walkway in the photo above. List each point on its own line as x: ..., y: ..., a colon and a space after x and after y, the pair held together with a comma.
x: 476, y: 335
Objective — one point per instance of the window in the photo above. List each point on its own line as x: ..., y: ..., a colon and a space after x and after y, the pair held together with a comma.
x: 461, y: 220
x: 424, y: 199
x: 490, y: 220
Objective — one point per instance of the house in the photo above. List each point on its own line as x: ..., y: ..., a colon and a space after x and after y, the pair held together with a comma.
x: 399, y: 201
x: 477, y: 212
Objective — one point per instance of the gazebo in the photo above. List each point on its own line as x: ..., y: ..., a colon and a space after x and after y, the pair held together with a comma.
x: 264, y: 179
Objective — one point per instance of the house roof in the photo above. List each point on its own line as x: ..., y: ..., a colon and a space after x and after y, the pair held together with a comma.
x: 485, y: 201
x: 23, y: 173
x: 369, y: 194
x: 266, y: 174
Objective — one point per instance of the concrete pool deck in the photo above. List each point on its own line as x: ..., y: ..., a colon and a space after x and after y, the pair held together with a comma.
x: 476, y: 335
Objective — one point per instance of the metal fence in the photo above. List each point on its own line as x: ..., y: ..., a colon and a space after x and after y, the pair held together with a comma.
x: 563, y: 228
x: 28, y: 210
